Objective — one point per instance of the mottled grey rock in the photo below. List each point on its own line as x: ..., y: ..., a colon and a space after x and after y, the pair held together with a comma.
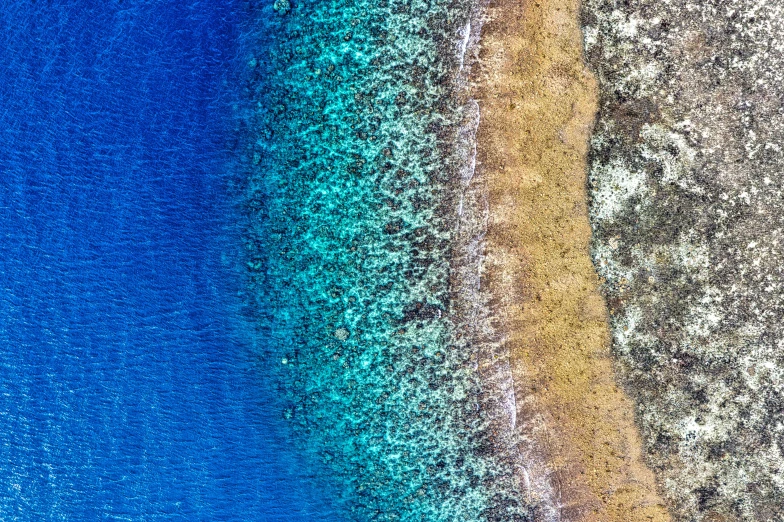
x: 686, y: 170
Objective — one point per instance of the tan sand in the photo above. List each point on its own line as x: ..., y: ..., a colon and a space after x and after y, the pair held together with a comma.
x: 538, y: 103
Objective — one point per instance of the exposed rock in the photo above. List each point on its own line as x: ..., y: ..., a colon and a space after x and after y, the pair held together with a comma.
x: 685, y: 183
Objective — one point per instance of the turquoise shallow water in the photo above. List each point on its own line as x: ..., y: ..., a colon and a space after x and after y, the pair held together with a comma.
x: 360, y: 257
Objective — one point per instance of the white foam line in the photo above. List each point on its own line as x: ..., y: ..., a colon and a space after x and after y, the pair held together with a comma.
x: 467, y: 142
x: 464, y: 44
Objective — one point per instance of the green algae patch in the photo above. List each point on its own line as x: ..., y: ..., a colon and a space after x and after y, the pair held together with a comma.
x: 582, y: 449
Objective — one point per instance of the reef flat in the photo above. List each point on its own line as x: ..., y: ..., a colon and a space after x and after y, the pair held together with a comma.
x: 685, y: 185
x: 575, y: 427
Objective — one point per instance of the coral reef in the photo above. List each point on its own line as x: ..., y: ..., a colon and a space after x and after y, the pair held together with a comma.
x: 360, y: 254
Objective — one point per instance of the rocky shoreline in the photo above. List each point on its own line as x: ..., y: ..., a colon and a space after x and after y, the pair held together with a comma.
x: 685, y: 174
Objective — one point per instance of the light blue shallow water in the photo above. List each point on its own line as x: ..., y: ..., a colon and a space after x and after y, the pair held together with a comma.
x: 364, y: 259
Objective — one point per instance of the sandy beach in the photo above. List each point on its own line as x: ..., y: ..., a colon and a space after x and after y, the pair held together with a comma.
x: 538, y: 103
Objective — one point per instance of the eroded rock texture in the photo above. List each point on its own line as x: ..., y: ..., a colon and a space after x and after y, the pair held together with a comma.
x: 686, y: 169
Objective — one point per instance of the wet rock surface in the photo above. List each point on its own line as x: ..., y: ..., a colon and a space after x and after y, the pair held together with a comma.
x: 686, y: 169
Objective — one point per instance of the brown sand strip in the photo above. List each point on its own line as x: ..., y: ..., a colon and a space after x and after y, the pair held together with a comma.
x: 538, y: 103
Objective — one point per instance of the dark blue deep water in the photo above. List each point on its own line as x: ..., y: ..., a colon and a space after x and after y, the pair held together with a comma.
x: 238, y: 266
x: 129, y: 387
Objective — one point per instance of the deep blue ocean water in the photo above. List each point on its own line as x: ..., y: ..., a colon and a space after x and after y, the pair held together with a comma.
x: 239, y: 266
x: 129, y: 383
